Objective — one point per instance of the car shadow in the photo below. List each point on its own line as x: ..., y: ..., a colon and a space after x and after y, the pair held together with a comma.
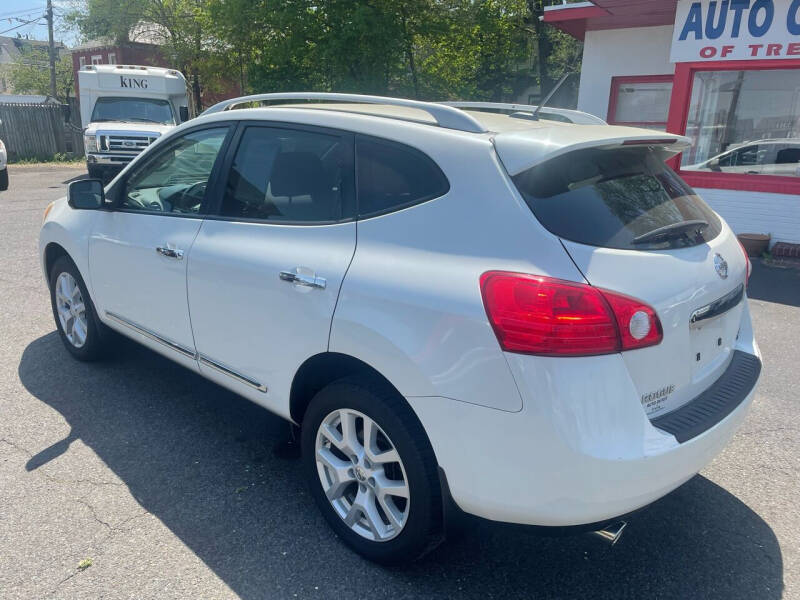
x: 201, y: 460
x: 774, y: 284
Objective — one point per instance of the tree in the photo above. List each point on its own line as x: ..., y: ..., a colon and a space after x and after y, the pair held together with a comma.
x: 437, y: 49
x: 479, y: 50
x: 30, y: 74
x: 182, y: 27
x: 556, y: 53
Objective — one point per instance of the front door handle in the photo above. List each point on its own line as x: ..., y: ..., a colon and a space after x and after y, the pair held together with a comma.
x: 170, y: 252
x: 305, y: 280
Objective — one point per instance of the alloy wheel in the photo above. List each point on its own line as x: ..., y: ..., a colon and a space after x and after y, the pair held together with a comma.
x: 362, y: 475
x: 71, y: 309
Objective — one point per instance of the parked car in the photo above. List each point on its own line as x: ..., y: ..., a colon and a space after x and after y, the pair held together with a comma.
x: 528, y: 321
x: 3, y: 166
x: 761, y: 157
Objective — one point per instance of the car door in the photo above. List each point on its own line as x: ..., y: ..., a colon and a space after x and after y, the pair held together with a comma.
x: 265, y: 272
x: 138, y: 250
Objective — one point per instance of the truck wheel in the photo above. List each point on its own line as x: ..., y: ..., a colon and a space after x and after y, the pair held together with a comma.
x: 95, y: 172
x: 4, y: 180
x: 372, y: 470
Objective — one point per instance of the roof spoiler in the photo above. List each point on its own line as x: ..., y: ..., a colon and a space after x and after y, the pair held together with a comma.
x: 521, y: 150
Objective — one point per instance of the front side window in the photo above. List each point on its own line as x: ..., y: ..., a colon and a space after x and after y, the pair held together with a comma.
x: 286, y: 175
x: 745, y: 122
x: 617, y: 198
x: 133, y: 110
x: 175, y: 180
x: 392, y: 176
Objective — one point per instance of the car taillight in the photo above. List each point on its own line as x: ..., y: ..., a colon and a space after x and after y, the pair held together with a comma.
x: 532, y: 314
x: 749, y: 264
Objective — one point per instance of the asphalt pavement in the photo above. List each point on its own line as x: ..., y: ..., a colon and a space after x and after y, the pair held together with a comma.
x: 134, y: 478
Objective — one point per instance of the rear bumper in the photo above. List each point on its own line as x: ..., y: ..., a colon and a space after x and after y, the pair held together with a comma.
x: 580, y: 451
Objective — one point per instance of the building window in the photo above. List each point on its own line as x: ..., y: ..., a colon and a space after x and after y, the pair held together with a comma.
x: 744, y: 122
x: 112, y: 58
x: 82, y: 61
x: 97, y: 59
x: 640, y: 101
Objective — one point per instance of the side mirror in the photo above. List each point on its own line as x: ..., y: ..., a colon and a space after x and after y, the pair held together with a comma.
x: 183, y: 112
x: 86, y: 194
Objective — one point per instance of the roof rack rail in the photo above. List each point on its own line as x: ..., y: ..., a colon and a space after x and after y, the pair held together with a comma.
x: 448, y: 117
x: 576, y: 116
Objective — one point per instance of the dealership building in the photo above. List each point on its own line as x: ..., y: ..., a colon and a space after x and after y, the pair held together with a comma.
x: 725, y: 73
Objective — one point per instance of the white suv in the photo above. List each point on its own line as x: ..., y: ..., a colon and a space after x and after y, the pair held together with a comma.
x: 535, y: 322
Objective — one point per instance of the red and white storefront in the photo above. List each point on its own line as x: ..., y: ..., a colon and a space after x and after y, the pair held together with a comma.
x: 726, y: 73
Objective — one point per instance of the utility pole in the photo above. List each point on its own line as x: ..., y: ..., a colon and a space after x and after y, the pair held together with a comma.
x: 52, y: 48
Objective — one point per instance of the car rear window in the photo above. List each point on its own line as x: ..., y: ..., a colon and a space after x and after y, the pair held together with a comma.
x: 611, y: 197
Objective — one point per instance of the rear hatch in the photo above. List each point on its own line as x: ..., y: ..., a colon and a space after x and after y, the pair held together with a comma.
x: 631, y: 225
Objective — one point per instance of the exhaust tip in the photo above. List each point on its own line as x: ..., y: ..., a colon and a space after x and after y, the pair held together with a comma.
x: 611, y: 533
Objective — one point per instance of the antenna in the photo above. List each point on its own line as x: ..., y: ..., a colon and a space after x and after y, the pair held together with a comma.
x: 557, y: 87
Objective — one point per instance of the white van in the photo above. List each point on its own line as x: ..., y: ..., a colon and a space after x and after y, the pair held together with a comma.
x: 125, y: 108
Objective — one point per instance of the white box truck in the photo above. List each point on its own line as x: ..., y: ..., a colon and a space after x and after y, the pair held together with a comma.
x: 124, y: 109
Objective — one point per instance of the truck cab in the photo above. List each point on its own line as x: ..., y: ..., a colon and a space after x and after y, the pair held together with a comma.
x: 124, y: 109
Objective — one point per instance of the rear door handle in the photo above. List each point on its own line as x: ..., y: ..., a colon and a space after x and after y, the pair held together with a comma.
x: 175, y: 253
x: 311, y: 281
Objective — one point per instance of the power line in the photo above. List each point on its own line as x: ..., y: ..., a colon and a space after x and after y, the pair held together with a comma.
x: 32, y: 22
x: 20, y: 12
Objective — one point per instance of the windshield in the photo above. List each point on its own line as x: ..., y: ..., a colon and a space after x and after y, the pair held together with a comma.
x: 133, y: 110
x: 610, y: 198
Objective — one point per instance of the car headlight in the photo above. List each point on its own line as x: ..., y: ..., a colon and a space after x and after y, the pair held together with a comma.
x: 90, y: 143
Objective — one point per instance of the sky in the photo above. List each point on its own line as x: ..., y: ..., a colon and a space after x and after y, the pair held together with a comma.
x: 15, y: 15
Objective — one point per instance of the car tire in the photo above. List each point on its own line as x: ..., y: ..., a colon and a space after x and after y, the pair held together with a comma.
x: 4, y: 180
x: 415, y: 527
x: 82, y: 333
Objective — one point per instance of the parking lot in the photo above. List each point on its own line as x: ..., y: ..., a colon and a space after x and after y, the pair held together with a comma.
x: 169, y: 485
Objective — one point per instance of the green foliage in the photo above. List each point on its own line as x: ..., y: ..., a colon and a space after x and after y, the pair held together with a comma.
x: 30, y: 74
x: 110, y: 19
x: 438, y: 49
x: 85, y: 564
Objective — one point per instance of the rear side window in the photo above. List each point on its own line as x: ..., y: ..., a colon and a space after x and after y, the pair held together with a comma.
x: 617, y: 198
x: 290, y: 175
x: 392, y: 176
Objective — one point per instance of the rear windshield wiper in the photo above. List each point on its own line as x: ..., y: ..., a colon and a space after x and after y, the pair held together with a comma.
x: 672, y: 231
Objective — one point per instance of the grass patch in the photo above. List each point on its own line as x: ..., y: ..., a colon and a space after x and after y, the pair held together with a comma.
x: 58, y: 157
x: 85, y: 564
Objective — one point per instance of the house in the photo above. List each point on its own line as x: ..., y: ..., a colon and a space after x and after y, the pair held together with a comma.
x: 109, y: 52
x: 11, y: 48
